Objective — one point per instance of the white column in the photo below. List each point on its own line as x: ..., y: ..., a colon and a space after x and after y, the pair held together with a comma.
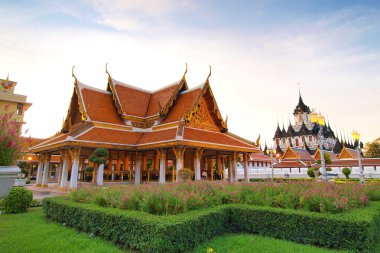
x: 138, y: 163
x: 234, y: 167
x: 162, y: 154
x: 74, y: 174
x: 246, y: 157
x: 46, y: 171
x: 65, y: 171
x: 40, y: 170
x: 99, y: 175
x: 179, y: 153
x: 74, y: 153
x: 230, y: 171
x: 197, y: 163
x: 59, y: 172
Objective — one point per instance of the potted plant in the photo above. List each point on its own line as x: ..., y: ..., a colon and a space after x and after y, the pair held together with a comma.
x: 10, y: 149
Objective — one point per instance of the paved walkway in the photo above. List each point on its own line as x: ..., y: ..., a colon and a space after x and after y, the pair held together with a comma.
x: 43, y: 192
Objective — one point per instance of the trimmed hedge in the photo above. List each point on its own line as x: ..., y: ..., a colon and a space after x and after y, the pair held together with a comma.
x: 354, y: 230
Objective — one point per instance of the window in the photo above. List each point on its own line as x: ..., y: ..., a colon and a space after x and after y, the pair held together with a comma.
x: 297, y: 143
x: 310, y: 138
x: 19, y: 109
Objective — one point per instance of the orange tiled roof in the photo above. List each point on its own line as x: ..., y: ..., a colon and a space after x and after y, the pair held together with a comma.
x: 107, y: 135
x: 100, y: 106
x: 158, y: 136
x: 29, y: 142
x: 303, y: 154
x: 193, y: 134
x: 259, y: 157
x: 290, y: 164
x: 182, y: 106
x: 141, y: 103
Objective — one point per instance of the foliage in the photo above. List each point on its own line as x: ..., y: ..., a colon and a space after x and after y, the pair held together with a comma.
x: 183, y: 197
x: 327, y: 158
x: 36, y: 203
x: 372, y: 149
x: 310, y: 172
x: 180, y: 233
x: 23, y: 166
x: 100, y: 156
x: 18, y: 200
x: 10, y: 140
x: 185, y: 174
x: 346, y: 172
x: 328, y: 169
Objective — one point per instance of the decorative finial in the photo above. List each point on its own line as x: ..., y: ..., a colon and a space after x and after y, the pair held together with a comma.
x: 209, y: 73
x: 72, y: 72
x: 185, y: 69
x: 299, y: 90
x: 107, y: 68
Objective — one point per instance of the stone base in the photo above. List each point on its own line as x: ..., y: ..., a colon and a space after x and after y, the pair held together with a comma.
x: 20, y: 182
x: 8, y: 174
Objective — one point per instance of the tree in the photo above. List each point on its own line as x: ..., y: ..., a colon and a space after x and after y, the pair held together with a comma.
x: 99, y: 157
x: 346, y: 172
x: 372, y: 149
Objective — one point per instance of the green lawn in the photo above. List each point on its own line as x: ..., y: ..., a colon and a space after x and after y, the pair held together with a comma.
x: 31, y: 232
x: 245, y: 243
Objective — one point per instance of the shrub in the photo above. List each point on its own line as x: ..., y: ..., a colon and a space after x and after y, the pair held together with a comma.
x: 346, y: 172
x: 311, y: 173
x: 328, y: 169
x: 180, y: 233
x: 18, y: 200
x: 184, y: 197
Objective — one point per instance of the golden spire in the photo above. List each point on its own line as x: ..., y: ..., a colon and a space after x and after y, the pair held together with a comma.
x: 72, y: 73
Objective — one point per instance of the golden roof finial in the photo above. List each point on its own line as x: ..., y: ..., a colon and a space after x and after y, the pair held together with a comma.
x: 185, y: 69
x: 209, y: 73
x: 72, y: 72
x: 107, y: 68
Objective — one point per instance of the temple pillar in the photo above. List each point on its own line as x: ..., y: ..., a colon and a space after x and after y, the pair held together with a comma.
x: 162, y: 154
x: 138, y: 163
x: 45, y: 175
x: 59, y: 171
x: 218, y: 165
x: 74, y: 153
x: 126, y: 162
x: 179, y: 153
x: 41, y: 161
x: 234, y: 167
x: 223, y: 165
x: 230, y: 171
x: 100, y: 175
x: 65, y: 168
x: 246, y: 157
x: 197, y: 163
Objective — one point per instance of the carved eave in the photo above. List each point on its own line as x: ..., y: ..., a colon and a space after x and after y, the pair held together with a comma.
x: 182, y: 86
x: 212, y: 105
x: 115, y: 98
x: 76, y: 103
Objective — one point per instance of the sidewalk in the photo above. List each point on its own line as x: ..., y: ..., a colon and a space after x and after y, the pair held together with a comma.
x: 43, y: 192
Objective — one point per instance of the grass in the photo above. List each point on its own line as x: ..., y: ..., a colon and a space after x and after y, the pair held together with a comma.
x: 31, y: 232
x: 245, y: 243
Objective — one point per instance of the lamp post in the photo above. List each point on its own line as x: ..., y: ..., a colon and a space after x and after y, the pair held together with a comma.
x: 320, y: 120
x: 272, y: 151
x: 356, y: 137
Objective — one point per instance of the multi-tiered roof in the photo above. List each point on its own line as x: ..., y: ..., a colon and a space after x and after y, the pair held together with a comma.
x: 126, y: 117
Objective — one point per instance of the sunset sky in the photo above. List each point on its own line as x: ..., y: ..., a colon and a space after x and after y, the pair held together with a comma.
x: 259, y: 52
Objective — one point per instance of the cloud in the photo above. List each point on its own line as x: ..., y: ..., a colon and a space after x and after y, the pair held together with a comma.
x: 132, y: 15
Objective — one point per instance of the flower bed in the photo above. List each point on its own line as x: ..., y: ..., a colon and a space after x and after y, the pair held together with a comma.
x: 354, y: 230
x: 179, y: 198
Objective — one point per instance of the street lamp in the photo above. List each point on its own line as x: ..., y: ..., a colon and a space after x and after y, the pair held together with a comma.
x: 356, y: 137
x: 272, y: 151
x: 320, y: 120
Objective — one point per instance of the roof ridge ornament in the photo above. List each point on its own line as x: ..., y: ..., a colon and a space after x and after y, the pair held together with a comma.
x: 209, y: 74
x: 72, y: 73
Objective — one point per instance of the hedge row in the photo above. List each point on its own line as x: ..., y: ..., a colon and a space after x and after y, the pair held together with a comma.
x: 354, y: 230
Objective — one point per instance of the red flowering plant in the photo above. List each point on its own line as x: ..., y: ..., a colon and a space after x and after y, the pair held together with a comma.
x: 10, y: 139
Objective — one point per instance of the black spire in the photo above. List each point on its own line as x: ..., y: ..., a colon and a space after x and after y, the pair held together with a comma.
x: 301, y: 107
x: 290, y: 132
x: 278, y: 133
x: 338, y: 146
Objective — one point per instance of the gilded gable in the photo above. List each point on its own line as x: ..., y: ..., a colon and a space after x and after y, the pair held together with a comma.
x: 202, y: 118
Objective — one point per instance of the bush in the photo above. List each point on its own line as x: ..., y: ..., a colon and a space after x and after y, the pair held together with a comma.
x: 310, y: 172
x: 346, y: 172
x: 18, y: 200
x: 180, y: 233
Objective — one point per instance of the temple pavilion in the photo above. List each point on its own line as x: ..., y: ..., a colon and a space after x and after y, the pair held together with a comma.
x: 151, y: 135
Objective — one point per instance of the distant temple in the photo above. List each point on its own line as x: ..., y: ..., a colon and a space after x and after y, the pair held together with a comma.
x: 303, y: 133
x: 151, y: 135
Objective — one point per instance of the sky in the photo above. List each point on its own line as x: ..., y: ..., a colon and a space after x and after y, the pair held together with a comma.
x: 261, y: 52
